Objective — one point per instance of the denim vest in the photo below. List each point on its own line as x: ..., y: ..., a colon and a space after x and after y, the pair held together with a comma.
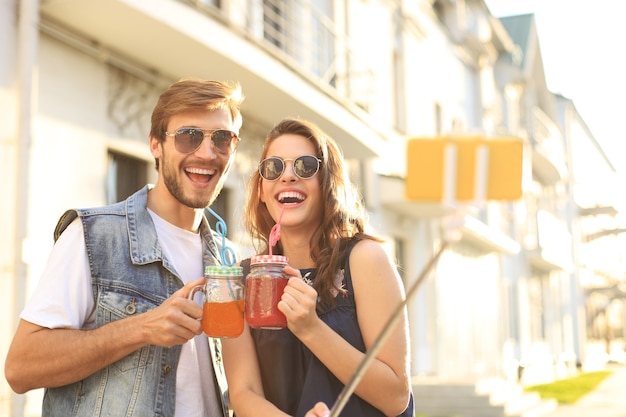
x: 142, y: 384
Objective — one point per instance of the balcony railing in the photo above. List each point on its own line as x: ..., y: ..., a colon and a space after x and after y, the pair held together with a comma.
x: 303, y: 37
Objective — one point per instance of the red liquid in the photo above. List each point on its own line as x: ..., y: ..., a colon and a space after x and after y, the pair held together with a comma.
x: 262, y: 297
x: 223, y: 319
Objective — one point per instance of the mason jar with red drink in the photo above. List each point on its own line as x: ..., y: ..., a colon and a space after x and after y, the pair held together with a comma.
x: 264, y: 288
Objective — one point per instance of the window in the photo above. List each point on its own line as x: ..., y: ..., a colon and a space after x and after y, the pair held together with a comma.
x: 304, y: 30
x: 125, y: 175
x: 274, y: 22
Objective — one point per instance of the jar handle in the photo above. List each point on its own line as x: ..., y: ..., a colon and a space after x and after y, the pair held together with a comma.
x: 194, y: 290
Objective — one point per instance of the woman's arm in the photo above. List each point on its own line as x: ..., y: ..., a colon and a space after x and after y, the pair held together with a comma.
x: 245, y: 389
x: 377, y: 291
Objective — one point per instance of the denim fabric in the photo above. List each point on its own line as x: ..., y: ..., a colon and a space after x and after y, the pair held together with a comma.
x: 129, y: 276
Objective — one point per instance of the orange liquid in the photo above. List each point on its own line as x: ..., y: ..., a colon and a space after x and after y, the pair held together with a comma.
x: 223, y: 319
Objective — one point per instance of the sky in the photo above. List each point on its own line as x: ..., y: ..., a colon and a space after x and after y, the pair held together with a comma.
x: 582, y: 47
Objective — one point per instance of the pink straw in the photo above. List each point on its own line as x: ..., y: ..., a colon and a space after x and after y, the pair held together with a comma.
x: 275, y: 232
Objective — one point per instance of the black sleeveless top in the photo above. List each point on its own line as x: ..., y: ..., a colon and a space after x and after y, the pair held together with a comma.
x: 293, y: 378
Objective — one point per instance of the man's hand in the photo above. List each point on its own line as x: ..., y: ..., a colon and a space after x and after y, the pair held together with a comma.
x: 176, y: 320
x: 41, y: 357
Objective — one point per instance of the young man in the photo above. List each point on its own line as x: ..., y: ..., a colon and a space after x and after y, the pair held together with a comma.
x: 109, y: 330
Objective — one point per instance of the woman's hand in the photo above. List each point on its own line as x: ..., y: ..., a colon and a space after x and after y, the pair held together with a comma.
x: 298, y: 303
x: 319, y: 410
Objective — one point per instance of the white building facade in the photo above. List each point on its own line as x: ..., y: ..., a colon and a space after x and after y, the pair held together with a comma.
x: 80, y: 77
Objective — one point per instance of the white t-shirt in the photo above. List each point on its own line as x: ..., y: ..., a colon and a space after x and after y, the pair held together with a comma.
x: 64, y: 299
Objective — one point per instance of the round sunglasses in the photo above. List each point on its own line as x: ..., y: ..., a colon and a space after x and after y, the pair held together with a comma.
x: 189, y: 139
x: 304, y: 167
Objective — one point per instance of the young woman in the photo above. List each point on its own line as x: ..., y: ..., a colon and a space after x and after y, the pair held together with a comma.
x: 334, y: 314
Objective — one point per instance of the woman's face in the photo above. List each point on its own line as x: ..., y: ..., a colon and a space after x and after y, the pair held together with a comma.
x: 300, y: 198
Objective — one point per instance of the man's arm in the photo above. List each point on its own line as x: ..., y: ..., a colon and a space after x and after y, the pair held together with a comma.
x: 41, y: 357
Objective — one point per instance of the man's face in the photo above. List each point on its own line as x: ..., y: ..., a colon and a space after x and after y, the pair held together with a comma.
x: 194, y: 179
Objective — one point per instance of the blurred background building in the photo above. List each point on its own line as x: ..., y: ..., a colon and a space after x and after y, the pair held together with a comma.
x: 532, y: 292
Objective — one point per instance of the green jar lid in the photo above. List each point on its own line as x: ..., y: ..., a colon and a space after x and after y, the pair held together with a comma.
x: 223, y: 270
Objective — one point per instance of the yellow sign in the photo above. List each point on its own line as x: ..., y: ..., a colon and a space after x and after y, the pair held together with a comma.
x: 464, y: 168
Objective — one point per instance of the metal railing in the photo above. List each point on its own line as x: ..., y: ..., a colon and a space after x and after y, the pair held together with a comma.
x: 303, y: 37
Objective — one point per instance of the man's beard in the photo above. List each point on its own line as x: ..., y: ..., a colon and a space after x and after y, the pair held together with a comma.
x: 173, y: 183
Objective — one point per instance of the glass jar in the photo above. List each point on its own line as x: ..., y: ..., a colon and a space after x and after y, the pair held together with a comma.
x: 223, y: 307
x: 264, y: 288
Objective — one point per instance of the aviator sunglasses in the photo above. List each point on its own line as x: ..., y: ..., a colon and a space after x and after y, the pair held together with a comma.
x: 189, y: 139
x: 304, y: 167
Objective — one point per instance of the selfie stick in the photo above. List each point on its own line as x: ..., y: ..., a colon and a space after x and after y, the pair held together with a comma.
x: 452, y: 232
x: 344, y: 396
x: 449, y: 191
